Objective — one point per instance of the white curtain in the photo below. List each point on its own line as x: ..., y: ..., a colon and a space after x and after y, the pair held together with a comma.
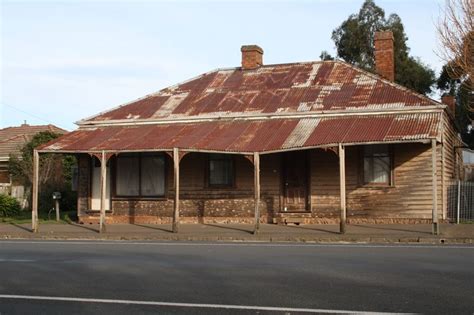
x: 95, y: 198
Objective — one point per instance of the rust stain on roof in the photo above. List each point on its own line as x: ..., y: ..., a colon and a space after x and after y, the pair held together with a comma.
x: 271, y: 108
x: 252, y: 136
x: 312, y: 86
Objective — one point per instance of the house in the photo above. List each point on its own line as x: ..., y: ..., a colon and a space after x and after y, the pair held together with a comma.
x: 305, y: 142
x: 12, y: 139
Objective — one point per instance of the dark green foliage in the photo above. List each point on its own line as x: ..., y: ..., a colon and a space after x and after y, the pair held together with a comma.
x: 66, y: 203
x: 354, y: 40
x: 55, y: 173
x: 9, y: 206
x: 448, y: 84
x: 325, y: 56
x: 21, y: 167
x: 414, y: 74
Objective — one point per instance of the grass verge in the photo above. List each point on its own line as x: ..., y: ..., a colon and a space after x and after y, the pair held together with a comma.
x: 25, y: 217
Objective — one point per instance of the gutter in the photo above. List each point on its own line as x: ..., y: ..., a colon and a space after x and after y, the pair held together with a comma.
x: 189, y: 150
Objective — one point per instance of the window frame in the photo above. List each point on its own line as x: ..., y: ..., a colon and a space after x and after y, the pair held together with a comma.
x: 229, y: 157
x: 140, y: 196
x: 391, y: 173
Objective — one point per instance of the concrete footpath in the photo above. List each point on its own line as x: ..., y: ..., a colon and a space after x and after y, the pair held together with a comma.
x: 360, y: 233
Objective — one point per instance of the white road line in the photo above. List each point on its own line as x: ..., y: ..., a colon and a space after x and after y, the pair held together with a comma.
x: 188, y: 305
x: 244, y: 244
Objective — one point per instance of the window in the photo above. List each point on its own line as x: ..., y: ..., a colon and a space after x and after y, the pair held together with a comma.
x: 152, y: 175
x: 377, y: 165
x: 140, y: 175
x: 221, y: 170
x: 127, y: 179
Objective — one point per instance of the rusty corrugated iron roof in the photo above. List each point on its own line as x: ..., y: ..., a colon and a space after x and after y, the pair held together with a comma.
x: 285, y: 88
x: 272, y: 108
x: 242, y: 136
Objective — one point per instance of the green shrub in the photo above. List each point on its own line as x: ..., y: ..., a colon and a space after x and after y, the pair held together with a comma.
x: 9, y: 206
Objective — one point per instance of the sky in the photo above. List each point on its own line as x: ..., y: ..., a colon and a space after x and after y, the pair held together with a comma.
x: 62, y: 61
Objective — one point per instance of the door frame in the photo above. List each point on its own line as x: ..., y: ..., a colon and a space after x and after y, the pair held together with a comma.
x: 91, y: 184
x: 307, y: 178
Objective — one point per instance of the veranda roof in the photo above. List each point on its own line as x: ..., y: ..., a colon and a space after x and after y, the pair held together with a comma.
x: 248, y: 136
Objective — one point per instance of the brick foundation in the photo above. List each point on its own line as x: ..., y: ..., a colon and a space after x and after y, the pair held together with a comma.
x: 123, y: 219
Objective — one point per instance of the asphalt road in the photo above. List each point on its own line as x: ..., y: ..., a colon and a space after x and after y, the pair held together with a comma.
x: 47, y: 277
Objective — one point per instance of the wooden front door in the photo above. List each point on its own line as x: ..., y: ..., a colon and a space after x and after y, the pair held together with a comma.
x: 295, y: 181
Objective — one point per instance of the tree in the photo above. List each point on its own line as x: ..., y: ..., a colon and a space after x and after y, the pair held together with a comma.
x: 55, y: 171
x: 456, y: 47
x: 456, y: 39
x: 325, y: 56
x: 354, y: 40
x: 21, y: 167
x: 462, y: 93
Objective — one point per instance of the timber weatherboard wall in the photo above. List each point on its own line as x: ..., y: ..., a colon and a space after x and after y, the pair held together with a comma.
x: 452, y: 158
x: 408, y: 200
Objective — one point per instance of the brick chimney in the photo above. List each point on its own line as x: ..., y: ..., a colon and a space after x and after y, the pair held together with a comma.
x: 252, y: 57
x: 384, y: 55
x: 449, y: 100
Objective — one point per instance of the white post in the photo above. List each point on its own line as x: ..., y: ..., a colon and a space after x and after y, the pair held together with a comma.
x: 256, y: 165
x: 435, y: 229
x: 57, y: 210
x: 34, y: 206
x: 458, y: 208
x: 342, y: 182
x: 176, y: 190
x: 103, y: 187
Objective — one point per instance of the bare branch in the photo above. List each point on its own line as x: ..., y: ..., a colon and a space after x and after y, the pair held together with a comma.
x: 456, y: 39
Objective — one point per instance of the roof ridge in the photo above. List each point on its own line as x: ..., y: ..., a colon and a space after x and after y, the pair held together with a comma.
x: 291, y: 63
x: 256, y: 117
x: 29, y: 126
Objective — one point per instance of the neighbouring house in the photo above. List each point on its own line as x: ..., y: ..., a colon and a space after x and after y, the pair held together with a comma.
x: 304, y: 142
x: 468, y: 164
x: 12, y: 140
